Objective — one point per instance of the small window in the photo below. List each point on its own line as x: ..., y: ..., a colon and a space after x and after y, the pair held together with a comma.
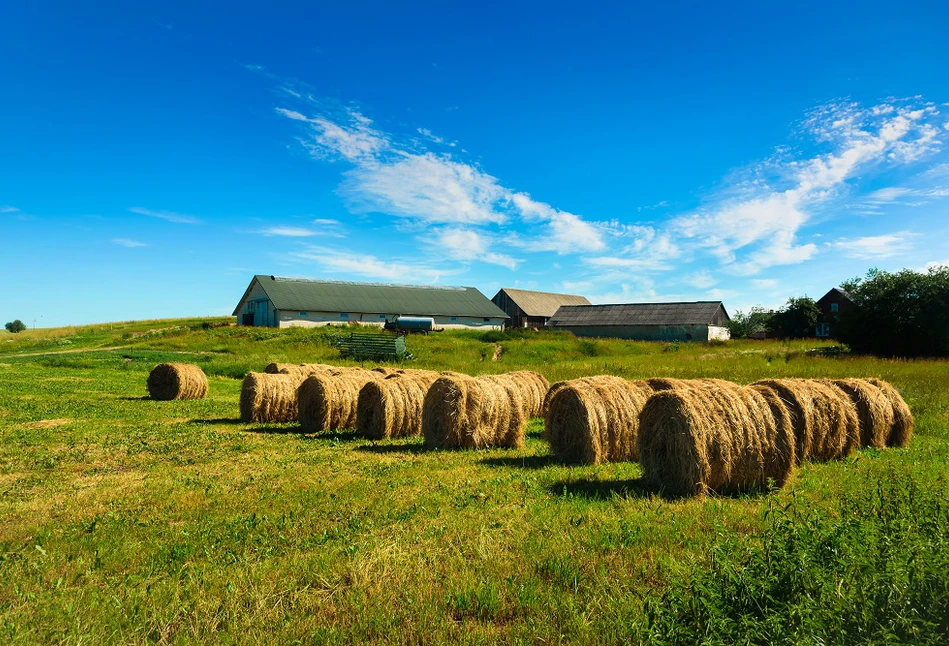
x: 823, y: 330
x: 454, y: 318
x: 302, y: 313
x: 382, y: 316
x: 486, y: 320
x: 343, y: 315
x: 834, y: 307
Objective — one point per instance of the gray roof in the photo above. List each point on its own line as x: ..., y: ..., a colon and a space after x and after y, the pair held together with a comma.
x: 693, y: 313
x: 541, y: 303
x: 309, y: 295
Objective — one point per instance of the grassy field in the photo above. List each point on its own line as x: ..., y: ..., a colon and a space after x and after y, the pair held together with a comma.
x: 126, y: 520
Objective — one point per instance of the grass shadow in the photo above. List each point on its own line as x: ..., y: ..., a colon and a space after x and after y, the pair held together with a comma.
x: 336, y: 436
x: 522, y: 462
x: 143, y: 398
x: 386, y: 449
x: 273, y: 429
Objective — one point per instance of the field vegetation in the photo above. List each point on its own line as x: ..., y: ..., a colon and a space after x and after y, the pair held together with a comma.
x: 137, y: 521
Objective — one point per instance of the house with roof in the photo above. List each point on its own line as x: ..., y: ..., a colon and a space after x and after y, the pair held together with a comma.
x: 832, y: 304
x: 276, y: 301
x: 688, y: 321
x: 532, y: 309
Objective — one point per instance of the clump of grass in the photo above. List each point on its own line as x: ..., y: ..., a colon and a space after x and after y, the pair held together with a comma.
x: 814, y: 578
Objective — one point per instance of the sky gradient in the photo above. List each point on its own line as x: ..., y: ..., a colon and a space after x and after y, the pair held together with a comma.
x: 153, y: 159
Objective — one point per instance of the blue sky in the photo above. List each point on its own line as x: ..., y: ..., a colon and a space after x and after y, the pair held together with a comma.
x: 153, y: 158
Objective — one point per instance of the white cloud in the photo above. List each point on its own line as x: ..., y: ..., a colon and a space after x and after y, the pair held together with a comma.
x: 170, y: 216
x: 125, y: 242
x: 9, y: 209
x: 467, y: 245
x: 881, y: 246
x: 562, y: 232
x: 765, y: 283
x: 289, y: 232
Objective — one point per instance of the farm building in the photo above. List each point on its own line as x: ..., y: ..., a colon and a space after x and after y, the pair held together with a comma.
x: 697, y: 321
x: 831, y: 305
x: 532, y: 309
x: 275, y: 301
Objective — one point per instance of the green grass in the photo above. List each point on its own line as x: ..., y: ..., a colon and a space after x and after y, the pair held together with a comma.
x: 131, y: 521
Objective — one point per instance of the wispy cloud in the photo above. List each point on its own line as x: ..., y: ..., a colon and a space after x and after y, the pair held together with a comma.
x: 170, y: 216
x: 398, y: 178
x: 874, y: 247
x: 757, y: 225
x: 9, y: 209
x: 289, y: 232
x: 125, y: 242
x: 333, y: 260
x: 467, y: 245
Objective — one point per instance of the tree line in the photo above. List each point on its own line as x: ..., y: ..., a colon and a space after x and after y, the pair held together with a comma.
x: 901, y: 314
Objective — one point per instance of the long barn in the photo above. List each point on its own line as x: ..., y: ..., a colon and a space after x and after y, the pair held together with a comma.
x: 693, y: 321
x: 275, y: 301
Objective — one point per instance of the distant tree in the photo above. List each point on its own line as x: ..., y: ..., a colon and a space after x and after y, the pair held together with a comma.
x: 15, y: 326
x: 902, y: 314
x: 796, y: 320
x: 743, y: 325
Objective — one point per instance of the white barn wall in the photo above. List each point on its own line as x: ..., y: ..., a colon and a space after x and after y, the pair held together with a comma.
x: 316, y: 319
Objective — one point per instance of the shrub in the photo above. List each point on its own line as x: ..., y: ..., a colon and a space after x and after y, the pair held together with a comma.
x: 796, y: 320
x: 743, y: 325
x: 15, y: 326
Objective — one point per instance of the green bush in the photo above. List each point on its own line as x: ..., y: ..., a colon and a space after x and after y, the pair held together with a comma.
x: 15, y: 326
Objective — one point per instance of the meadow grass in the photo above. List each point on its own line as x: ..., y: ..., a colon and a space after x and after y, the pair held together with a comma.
x: 126, y: 520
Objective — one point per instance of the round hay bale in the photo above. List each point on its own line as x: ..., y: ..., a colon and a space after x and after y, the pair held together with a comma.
x: 466, y: 412
x: 595, y: 419
x: 553, y: 390
x: 825, y: 422
x: 874, y: 411
x: 392, y: 407
x: 304, y: 370
x: 169, y: 381
x: 715, y: 439
x: 268, y: 398
x: 902, y: 428
x: 329, y: 402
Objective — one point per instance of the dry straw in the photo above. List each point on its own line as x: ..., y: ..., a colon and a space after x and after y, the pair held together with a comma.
x: 169, y: 381
x: 874, y: 410
x: 467, y: 412
x: 713, y: 437
x: 902, y: 429
x: 328, y: 401
x: 825, y: 421
x: 392, y: 407
x: 532, y: 387
x: 595, y: 419
x: 269, y: 398
x: 300, y: 371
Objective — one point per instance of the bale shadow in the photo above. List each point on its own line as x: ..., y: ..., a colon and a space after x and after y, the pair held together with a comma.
x: 522, y: 462
x: 221, y: 420
x: 605, y: 489
x: 386, y: 449
x: 336, y: 436
x: 639, y: 488
x: 272, y: 429
x: 144, y: 398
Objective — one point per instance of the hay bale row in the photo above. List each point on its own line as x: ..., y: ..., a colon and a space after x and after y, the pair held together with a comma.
x: 473, y: 412
x: 329, y: 401
x: 715, y: 436
x: 392, y: 407
x: 168, y: 381
x: 533, y: 387
x: 595, y: 419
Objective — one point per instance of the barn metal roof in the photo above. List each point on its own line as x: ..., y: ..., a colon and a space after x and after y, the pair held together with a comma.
x: 309, y: 295
x: 541, y: 303
x: 691, y: 313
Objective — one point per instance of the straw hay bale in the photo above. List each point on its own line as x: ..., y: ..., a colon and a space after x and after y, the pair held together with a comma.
x: 169, y: 381
x: 300, y: 371
x: 874, y: 411
x: 269, y: 398
x: 825, y: 421
x: 329, y: 401
x: 715, y: 438
x: 595, y: 419
x: 467, y: 412
x: 392, y: 407
x: 902, y: 429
